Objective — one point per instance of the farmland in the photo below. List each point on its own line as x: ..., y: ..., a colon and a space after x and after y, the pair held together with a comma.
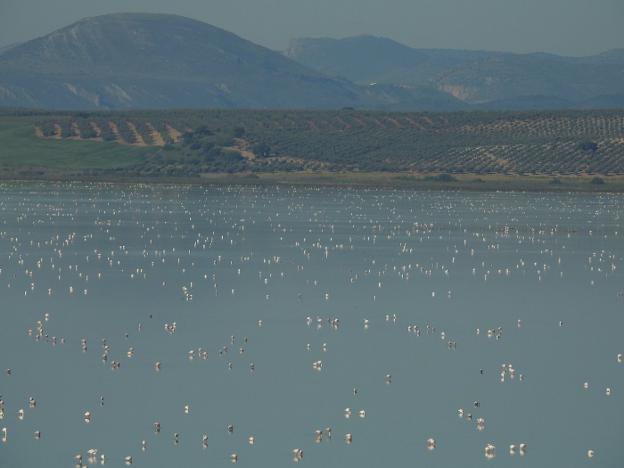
x: 196, y: 144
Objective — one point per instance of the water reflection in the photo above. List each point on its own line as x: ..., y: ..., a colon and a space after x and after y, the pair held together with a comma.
x: 248, y: 321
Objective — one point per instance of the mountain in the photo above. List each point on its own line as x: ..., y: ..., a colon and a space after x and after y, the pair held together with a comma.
x: 365, y: 59
x: 503, y: 79
x: 159, y: 61
x: 124, y: 61
x: 142, y: 61
x: 412, y: 98
x: 611, y: 101
x: 529, y: 103
x: 8, y: 47
x: 513, y: 76
x: 613, y: 56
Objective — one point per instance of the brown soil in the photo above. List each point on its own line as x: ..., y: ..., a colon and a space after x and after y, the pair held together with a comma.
x: 344, y: 124
x: 413, y: 123
x: 155, y: 135
x: 138, y: 138
x: 97, y: 130
x: 242, y: 146
x: 75, y: 129
x: 115, y: 130
x: 394, y: 122
x: 173, y: 133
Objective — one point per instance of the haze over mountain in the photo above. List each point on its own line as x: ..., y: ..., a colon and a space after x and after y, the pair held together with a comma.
x: 133, y: 60
x: 149, y: 61
x: 484, y: 79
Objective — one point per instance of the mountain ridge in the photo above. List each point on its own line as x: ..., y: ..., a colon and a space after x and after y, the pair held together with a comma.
x: 474, y: 77
x: 150, y: 60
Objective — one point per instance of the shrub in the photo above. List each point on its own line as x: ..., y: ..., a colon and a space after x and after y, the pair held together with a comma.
x: 442, y: 178
x: 588, y: 146
x: 261, y: 150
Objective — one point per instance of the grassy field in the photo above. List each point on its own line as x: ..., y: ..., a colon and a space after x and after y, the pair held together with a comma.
x: 553, y: 151
x: 21, y: 149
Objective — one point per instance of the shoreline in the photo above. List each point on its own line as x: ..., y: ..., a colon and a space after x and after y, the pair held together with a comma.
x: 383, y: 180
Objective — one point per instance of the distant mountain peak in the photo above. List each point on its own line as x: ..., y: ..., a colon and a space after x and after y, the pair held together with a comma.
x: 476, y: 77
x: 141, y: 60
x: 152, y: 60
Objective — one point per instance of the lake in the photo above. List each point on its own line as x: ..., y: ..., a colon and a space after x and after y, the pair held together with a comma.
x: 334, y: 327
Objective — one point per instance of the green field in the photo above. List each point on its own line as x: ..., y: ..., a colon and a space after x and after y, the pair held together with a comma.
x: 556, y: 150
x: 21, y: 149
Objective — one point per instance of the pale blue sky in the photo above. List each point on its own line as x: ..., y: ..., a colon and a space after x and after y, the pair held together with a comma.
x: 572, y: 27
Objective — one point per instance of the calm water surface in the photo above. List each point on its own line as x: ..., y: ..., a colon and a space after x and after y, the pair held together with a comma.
x: 255, y: 300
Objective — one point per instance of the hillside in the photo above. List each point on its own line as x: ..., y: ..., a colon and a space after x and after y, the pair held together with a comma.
x: 148, y: 61
x: 491, y: 80
x: 370, y: 59
x: 158, y: 61
x: 200, y: 144
x: 155, y: 61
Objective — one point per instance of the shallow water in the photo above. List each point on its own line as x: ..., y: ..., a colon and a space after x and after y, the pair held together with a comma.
x: 426, y: 269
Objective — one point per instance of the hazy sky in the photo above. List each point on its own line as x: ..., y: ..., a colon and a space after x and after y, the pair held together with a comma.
x: 572, y: 27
